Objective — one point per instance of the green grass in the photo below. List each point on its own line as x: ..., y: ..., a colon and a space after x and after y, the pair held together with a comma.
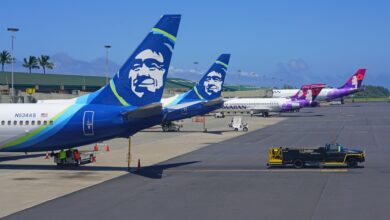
x: 381, y: 99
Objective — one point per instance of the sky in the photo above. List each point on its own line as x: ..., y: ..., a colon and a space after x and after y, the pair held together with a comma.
x: 292, y: 42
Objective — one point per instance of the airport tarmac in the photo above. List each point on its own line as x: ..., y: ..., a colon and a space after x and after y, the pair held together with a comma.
x: 28, y: 180
x: 229, y: 179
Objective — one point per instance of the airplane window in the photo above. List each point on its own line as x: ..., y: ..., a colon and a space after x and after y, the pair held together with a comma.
x: 39, y: 122
x: 44, y: 122
x: 20, y: 122
x: 51, y: 122
x: 2, y: 122
x: 15, y: 122
x: 9, y: 123
x: 32, y: 122
x: 27, y: 122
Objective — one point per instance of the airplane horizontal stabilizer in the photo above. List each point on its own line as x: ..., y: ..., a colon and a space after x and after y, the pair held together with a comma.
x: 217, y: 101
x: 146, y: 111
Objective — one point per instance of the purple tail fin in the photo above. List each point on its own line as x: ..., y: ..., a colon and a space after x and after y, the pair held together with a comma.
x: 355, y: 81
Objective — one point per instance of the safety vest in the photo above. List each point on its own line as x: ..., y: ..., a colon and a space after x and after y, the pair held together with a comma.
x: 62, y: 154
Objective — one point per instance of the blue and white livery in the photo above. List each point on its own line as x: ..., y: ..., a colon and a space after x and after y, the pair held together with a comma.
x: 203, y: 98
x: 128, y: 104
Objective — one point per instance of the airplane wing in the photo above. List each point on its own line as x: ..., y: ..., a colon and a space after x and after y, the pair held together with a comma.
x: 146, y: 111
x: 261, y: 109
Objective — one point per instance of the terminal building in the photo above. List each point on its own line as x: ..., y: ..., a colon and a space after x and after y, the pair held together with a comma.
x: 31, y: 87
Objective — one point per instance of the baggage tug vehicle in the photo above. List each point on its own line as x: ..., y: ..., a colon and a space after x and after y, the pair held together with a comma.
x: 330, y: 155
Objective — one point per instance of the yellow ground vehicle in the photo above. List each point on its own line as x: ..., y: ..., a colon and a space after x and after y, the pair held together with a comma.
x: 331, y: 154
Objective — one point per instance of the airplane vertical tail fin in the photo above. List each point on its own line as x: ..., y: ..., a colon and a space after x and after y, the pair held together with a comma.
x: 210, y: 86
x: 355, y: 81
x: 140, y: 81
x: 315, y: 90
x: 301, y: 94
x: 309, y: 92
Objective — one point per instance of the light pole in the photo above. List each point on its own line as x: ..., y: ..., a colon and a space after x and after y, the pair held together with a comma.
x: 13, y: 31
x: 107, y: 47
x: 239, y: 74
x: 196, y: 66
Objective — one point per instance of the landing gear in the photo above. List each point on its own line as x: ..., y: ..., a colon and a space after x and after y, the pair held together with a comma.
x: 265, y: 114
x: 171, y: 126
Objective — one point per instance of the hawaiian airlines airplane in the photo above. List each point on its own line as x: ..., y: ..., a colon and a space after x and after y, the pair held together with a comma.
x: 129, y: 103
x: 203, y: 98
x: 310, y: 93
x: 266, y: 105
x: 352, y: 86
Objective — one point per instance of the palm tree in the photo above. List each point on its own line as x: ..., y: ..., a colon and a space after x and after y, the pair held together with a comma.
x: 44, y: 63
x: 5, y: 58
x: 31, y: 63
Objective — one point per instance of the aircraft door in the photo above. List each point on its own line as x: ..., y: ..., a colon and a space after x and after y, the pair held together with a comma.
x: 88, y: 123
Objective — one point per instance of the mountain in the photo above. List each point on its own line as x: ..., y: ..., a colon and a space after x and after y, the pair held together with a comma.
x: 63, y: 63
x: 295, y: 72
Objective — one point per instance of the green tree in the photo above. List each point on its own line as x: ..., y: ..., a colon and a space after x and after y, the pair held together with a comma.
x: 44, y: 62
x: 31, y: 63
x: 5, y: 58
x: 369, y: 91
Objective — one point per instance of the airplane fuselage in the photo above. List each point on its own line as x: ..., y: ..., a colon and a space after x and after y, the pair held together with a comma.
x: 326, y: 94
x: 261, y: 104
x: 42, y: 127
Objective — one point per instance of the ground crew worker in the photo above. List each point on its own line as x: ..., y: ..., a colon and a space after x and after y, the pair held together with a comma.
x: 76, y: 155
x: 62, y: 156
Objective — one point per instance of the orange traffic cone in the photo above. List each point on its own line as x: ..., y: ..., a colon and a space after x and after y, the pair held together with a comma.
x: 96, y: 148
x: 139, y: 164
x: 47, y: 155
x: 93, y: 159
x: 107, y: 147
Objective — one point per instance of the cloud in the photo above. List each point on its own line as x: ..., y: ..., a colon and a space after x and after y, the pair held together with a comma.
x: 248, y: 74
x: 297, y: 65
x: 174, y: 70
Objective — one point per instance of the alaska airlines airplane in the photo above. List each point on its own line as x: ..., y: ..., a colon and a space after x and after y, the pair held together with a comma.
x: 128, y: 104
x: 203, y: 98
x: 352, y: 86
x: 266, y: 105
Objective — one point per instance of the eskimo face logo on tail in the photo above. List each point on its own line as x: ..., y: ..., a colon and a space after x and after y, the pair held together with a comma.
x: 140, y: 81
x: 147, y: 72
x: 213, y: 83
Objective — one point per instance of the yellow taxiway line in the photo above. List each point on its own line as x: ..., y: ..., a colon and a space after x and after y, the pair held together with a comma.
x: 257, y: 170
